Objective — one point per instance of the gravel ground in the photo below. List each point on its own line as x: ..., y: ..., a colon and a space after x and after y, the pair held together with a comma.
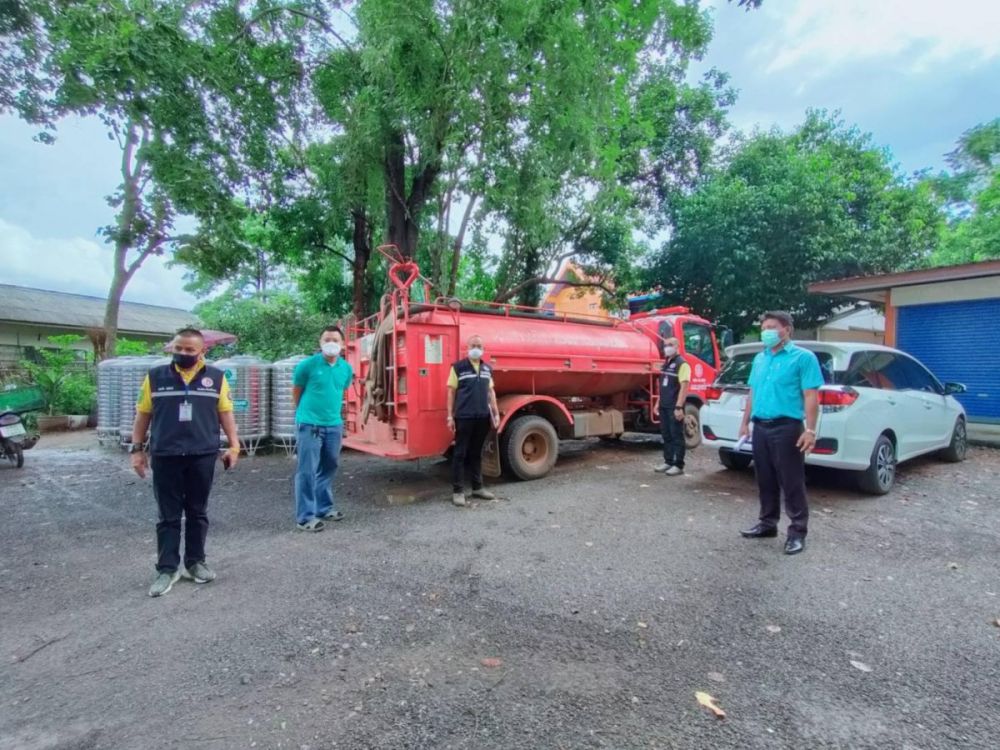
x: 608, y: 594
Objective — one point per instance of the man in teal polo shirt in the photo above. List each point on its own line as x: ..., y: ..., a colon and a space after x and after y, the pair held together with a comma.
x: 318, y: 385
x: 784, y: 392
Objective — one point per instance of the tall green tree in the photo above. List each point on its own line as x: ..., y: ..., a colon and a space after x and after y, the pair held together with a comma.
x: 785, y: 210
x: 970, y: 194
x: 191, y: 98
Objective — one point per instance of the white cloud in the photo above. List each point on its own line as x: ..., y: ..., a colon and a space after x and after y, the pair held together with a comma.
x: 83, y: 266
x: 817, y: 35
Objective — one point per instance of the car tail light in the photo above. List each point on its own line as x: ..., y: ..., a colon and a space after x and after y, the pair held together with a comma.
x: 713, y: 393
x: 10, y: 419
x: 832, y: 401
x: 707, y: 432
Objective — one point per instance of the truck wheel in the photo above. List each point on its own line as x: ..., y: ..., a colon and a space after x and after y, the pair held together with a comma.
x: 880, y: 475
x: 530, y: 447
x: 734, y: 461
x: 692, y: 426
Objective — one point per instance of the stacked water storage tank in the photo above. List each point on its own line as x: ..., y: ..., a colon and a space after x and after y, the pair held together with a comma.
x: 282, y: 410
x: 250, y: 387
x: 133, y: 372
x: 109, y: 394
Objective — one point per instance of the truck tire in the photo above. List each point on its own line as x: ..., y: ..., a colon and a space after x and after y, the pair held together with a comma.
x: 692, y: 426
x: 530, y: 447
x: 880, y: 475
x: 734, y: 461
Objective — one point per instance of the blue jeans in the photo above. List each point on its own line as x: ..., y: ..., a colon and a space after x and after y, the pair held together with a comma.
x: 319, y: 454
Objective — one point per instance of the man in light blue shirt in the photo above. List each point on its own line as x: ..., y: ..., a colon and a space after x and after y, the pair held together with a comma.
x: 784, y: 391
x: 318, y: 385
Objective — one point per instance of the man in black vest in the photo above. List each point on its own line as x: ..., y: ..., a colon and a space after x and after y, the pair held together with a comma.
x: 674, y: 383
x: 472, y: 411
x: 182, y: 405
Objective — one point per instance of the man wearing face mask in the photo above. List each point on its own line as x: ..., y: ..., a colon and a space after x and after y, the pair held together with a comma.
x: 784, y: 391
x: 318, y: 385
x: 182, y: 405
x: 472, y: 411
x: 674, y: 384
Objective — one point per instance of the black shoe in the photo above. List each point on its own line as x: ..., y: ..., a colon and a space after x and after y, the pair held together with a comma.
x: 794, y: 545
x: 759, y: 531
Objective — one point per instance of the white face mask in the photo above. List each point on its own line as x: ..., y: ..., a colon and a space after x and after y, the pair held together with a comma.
x: 330, y: 348
x: 475, y: 353
x: 669, y: 351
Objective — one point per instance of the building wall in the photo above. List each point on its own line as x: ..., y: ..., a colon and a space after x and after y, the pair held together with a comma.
x: 946, y: 291
x: 14, y: 338
x: 859, y: 337
x: 576, y: 301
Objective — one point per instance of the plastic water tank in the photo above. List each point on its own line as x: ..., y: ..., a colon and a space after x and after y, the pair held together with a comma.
x: 109, y: 387
x: 250, y: 387
x: 133, y: 372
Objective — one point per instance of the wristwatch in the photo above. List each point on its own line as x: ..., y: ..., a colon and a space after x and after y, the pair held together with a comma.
x: 136, y: 448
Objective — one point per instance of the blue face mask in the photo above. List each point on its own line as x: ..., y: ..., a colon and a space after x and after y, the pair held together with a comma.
x: 770, y: 337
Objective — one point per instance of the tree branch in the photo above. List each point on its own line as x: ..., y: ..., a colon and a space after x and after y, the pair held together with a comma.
x: 339, y: 254
x: 301, y: 14
x: 602, y: 285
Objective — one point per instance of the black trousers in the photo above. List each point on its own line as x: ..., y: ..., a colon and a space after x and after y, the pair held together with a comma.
x: 181, y: 485
x: 467, y: 460
x: 673, y: 438
x: 781, y: 468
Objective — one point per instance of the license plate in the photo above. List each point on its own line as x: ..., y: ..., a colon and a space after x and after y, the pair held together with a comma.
x: 12, y: 430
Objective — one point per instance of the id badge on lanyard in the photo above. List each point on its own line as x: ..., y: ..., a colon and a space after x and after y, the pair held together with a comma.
x: 185, y: 414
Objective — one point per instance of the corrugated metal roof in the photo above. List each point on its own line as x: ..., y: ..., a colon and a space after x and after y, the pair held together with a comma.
x: 19, y: 304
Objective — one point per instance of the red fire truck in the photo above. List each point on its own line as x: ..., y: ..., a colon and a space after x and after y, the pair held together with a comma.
x: 556, y: 376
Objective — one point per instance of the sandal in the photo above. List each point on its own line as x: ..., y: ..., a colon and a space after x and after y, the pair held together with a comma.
x: 313, y: 524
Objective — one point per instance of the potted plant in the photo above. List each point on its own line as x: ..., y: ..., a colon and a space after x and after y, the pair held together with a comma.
x: 76, y: 399
x: 50, y: 375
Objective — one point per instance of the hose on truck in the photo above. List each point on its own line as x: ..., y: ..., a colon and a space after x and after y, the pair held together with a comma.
x: 377, y: 383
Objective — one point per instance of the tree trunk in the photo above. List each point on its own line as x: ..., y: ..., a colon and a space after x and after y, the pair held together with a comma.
x: 403, y: 208
x: 118, y: 283
x: 362, y: 255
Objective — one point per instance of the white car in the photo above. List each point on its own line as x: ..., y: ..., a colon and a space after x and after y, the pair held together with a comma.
x: 879, y: 406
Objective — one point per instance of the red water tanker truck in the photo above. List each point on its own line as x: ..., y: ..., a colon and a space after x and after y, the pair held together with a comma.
x: 556, y: 376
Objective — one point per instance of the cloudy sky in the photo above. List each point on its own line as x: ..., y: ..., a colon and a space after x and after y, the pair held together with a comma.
x: 914, y: 73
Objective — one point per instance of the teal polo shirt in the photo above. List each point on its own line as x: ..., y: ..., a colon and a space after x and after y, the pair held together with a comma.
x: 777, y: 381
x: 322, y: 387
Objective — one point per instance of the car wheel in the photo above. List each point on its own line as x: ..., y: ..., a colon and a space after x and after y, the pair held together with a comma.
x: 959, y: 445
x: 880, y: 475
x: 734, y: 461
x: 692, y: 426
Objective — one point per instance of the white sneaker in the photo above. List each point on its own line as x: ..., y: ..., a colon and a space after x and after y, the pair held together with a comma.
x: 458, y: 498
x: 662, y: 468
x: 674, y: 471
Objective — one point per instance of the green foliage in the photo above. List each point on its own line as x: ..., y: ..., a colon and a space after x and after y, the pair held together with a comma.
x: 54, y: 374
x: 132, y: 348
x: 77, y: 394
x: 786, y: 210
x: 970, y: 195
x: 273, y: 330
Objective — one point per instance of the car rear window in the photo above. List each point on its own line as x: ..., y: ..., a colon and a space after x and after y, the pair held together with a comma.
x: 737, y: 370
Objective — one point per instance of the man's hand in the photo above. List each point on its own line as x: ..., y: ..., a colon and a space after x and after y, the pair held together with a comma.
x: 139, y: 464
x: 806, y: 441
x: 230, y: 458
x: 451, y: 423
x: 744, y: 430
x: 679, y: 413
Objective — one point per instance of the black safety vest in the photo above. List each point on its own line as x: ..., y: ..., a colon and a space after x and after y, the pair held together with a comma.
x: 670, y: 386
x: 472, y: 399
x: 168, y: 435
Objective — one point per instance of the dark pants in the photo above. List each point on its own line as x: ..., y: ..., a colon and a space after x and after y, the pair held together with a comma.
x: 181, y: 485
x: 780, y: 468
x: 673, y: 438
x: 470, y: 435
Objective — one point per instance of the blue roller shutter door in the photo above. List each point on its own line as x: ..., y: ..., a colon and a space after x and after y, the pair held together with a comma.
x: 960, y: 343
